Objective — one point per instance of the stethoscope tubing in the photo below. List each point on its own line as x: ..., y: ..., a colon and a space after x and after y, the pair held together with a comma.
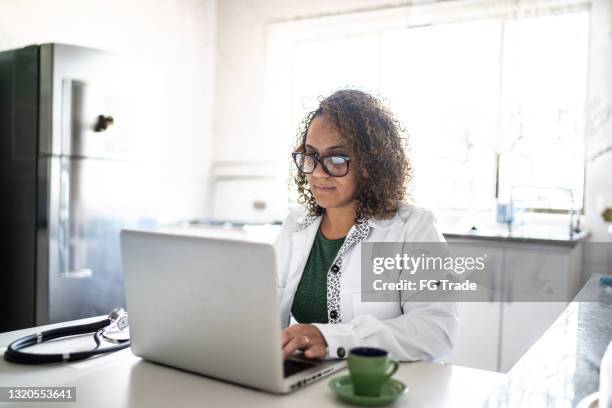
x: 14, y: 355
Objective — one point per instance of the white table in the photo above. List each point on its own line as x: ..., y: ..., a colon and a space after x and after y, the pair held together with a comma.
x: 123, y: 380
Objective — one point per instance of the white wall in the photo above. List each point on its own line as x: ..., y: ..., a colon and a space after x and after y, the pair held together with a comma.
x: 599, y: 130
x: 179, y: 36
x: 240, y: 80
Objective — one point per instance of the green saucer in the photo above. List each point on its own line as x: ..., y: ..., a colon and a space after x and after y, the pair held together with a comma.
x: 343, y: 388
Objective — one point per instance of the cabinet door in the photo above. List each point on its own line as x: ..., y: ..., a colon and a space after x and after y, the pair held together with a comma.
x: 477, y: 343
x: 530, y: 272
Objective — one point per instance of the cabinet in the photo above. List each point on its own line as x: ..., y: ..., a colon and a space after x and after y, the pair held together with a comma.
x: 494, y: 335
x: 478, y: 337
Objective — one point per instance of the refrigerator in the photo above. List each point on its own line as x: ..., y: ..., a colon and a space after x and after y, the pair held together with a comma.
x: 80, y: 157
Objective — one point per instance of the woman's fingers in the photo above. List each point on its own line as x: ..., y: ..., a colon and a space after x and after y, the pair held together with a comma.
x: 285, y: 337
x: 290, y: 332
x: 296, y: 343
x: 316, y: 351
x: 303, y: 337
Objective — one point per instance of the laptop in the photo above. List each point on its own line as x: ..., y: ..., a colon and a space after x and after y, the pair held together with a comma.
x: 209, y: 305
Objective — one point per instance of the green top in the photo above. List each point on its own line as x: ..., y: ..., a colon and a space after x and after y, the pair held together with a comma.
x: 310, y: 301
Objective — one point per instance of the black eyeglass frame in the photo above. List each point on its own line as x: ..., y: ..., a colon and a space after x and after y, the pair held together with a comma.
x: 319, y: 159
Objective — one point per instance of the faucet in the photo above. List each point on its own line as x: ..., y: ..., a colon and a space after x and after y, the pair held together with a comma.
x: 574, y: 216
x: 573, y: 229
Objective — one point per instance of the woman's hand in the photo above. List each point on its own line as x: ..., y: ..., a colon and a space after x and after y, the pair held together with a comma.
x: 303, y: 337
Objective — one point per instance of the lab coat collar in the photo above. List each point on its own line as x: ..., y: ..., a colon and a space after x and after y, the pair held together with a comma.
x: 382, y: 224
x: 308, y: 225
x: 403, y: 212
x: 304, y: 219
x: 299, y: 214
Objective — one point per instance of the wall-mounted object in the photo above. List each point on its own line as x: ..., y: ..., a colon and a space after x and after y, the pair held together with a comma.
x: 249, y: 192
x: 607, y: 215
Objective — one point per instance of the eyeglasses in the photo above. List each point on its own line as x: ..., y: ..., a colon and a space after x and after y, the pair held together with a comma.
x: 335, y: 166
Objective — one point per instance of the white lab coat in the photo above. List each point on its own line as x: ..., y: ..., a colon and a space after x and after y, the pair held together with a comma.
x: 407, y: 329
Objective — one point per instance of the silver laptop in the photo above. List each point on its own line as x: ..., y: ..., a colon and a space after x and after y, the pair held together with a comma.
x: 209, y: 305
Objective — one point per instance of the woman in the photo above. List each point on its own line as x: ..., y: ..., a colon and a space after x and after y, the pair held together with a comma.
x: 352, y: 172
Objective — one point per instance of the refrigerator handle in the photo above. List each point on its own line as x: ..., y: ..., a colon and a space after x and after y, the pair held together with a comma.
x: 65, y: 239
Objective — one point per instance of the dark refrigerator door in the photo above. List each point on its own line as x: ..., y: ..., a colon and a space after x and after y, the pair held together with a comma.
x: 18, y: 144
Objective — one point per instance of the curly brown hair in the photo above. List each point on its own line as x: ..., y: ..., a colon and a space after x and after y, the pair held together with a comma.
x: 379, y: 144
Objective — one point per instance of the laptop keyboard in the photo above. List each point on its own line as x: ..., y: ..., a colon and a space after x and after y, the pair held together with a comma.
x: 291, y: 367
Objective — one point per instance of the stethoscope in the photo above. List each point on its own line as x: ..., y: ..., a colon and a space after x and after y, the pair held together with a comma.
x: 117, y: 320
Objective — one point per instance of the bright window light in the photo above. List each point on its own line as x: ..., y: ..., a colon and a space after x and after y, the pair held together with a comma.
x: 493, y: 107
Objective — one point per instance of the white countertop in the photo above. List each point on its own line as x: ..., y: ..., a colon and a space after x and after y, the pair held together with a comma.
x: 124, y: 380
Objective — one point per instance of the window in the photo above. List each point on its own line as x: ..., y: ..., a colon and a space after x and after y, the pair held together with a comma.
x: 493, y: 105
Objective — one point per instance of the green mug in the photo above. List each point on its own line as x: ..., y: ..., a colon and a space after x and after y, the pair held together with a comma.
x: 369, y: 369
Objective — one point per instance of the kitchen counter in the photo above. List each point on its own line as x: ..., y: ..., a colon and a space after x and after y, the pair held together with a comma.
x: 494, y: 233
x: 562, y: 367
x: 523, y: 235
x: 123, y: 380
